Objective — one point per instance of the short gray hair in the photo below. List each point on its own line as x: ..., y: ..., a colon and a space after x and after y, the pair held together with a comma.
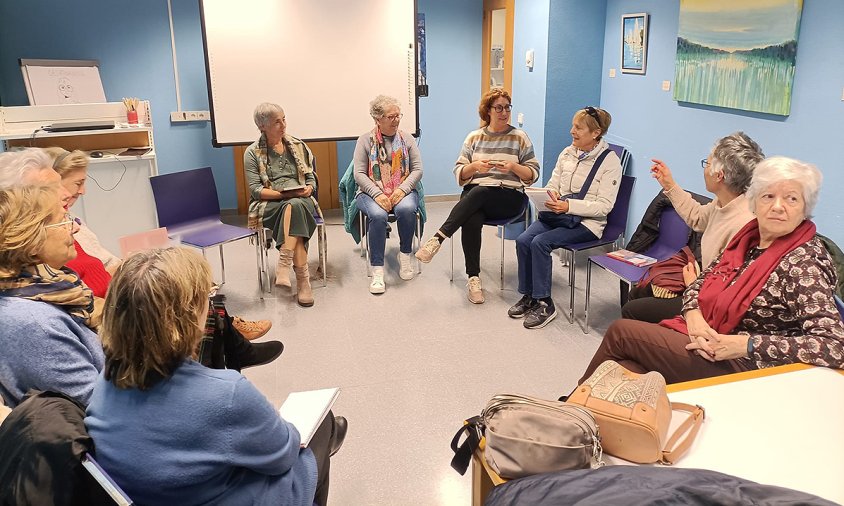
x: 378, y: 107
x: 780, y: 168
x: 264, y: 113
x: 16, y: 166
x: 736, y: 155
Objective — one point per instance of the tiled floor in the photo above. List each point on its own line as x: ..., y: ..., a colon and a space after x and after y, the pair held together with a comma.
x: 414, y: 362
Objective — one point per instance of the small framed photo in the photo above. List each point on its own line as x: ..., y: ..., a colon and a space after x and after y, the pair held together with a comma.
x: 634, y: 43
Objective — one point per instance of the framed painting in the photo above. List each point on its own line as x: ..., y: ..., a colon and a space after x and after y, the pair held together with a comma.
x: 634, y: 43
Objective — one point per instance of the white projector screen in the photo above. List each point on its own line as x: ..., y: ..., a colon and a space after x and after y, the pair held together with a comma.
x: 323, y: 61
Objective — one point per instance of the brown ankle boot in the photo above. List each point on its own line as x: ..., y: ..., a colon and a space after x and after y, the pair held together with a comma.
x: 282, y: 270
x: 304, y: 295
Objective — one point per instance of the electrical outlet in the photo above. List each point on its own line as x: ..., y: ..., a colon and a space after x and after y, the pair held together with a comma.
x: 185, y: 116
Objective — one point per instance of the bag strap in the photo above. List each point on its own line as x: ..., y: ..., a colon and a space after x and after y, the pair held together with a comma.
x: 595, y: 166
x: 690, y: 426
x: 463, y: 453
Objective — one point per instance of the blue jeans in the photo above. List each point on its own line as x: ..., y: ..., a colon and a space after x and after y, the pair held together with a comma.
x: 405, y: 212
x: 533, y: 250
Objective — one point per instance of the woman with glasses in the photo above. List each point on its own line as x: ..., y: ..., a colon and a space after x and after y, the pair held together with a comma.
x: 582, y: 192
x: 495, y: 164
x: 388, y: 167
x: 280, y: 173
x: 727, y: 172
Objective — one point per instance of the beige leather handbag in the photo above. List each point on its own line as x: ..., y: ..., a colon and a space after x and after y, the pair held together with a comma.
x: 634, y: 414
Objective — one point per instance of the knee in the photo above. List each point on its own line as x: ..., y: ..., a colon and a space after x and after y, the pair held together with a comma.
x: 377, y: 216
x: 540, y: 245
x: 524, y: 240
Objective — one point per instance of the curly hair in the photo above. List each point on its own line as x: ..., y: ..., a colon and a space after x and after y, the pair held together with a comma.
x: 378, y: 107
x: 487, y: 100
x: 24, y: 211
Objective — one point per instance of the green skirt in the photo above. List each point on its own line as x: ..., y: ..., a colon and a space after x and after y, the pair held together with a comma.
x: 302, y: 222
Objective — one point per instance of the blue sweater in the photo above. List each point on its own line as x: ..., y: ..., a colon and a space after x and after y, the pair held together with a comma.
x: 43, y: 347
x: 202, y: 436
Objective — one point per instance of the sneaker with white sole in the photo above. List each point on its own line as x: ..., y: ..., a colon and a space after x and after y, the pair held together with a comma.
x: 476, y: 291
x: 377, y: 285
x: 428, y: 250
x: 540, y: 316
x: 406, y: 271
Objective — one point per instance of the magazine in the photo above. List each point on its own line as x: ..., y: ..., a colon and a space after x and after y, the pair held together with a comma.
x: 637, y: 259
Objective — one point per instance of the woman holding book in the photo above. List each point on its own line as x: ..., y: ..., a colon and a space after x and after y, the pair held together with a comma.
x: 495, y: 164
x: 582, y: 192
x: 280, y: 173
x: 193, y: 435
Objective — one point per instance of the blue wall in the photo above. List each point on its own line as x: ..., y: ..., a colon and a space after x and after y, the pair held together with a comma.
x: 575, y: 39
x: 653, y: 125
x: 137, y: 65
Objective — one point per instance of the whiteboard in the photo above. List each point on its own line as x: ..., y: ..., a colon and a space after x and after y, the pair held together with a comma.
x: 322, y: 61
x: 56, y: 82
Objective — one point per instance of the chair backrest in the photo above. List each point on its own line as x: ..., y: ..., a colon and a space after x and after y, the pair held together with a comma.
x: 623, y: 155
x: 107, y: 484
x: 185, y: 196
x: 151, y: 239
x: 617, y: 219
x: 673, y: 235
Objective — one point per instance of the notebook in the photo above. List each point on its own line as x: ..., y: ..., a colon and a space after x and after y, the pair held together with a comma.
x: 306, y: 410
x: 637, y: 259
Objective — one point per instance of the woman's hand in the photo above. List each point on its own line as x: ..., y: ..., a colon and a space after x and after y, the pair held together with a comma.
x: 690, y: 273
x: 480, y: 167
x: 557, y: 206
x: 555, y: 194
x: 662, y: 174
x: 384, y: 201
x: 306, y: 192
x: 397, y: 195
x: 701, y: 334
x: 730, y: 347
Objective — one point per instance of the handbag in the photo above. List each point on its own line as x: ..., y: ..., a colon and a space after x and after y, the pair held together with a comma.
x: 571, y: 220
x: 523, y: 436
x: 634, y: 414
x: 666, y: 276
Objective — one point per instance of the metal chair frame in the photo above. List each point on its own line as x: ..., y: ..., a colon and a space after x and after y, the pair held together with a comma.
x: 363, y: 223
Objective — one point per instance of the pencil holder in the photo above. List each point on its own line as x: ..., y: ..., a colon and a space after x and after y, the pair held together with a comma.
x: 132, y: 117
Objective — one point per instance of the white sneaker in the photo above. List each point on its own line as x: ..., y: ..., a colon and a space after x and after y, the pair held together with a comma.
x: 377, y: 285
x: 406, y: 271
x: 476, y: 291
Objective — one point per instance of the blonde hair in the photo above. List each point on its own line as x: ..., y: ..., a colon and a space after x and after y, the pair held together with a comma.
x: 65, y: 161
x: 24, y: 211
x: 592, y: 123
x: 487, y: 100
x: 150, y: 317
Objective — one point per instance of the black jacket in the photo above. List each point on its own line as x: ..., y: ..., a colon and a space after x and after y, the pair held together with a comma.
x: 648, y: 229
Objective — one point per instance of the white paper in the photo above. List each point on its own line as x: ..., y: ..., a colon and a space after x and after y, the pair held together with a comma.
x: 538, y: 197
x: 306, y: 410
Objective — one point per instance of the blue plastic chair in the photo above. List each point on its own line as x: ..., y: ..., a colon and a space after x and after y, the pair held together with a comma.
x: 623, y: 155
x: 187, y: 205
x: 673, y: 235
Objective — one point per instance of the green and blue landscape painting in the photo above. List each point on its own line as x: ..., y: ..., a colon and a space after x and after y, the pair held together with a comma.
x: 738, y: 54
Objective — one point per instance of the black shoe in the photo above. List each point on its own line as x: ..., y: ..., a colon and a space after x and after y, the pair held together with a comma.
x: 260, y: 354
x: 341, y: 426
x: 521, y: 308
x: 540, y: 316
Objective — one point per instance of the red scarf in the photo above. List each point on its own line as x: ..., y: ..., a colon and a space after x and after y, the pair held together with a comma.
x: 724, y: 305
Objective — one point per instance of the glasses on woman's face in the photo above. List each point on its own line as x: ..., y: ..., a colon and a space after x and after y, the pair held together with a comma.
x: 393, y: 117
x: 502, y: 108
x: 67, y: 223
x: 704, y: 163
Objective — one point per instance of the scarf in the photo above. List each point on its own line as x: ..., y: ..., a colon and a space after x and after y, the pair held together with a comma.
x: 61, y: 288
x: 388, y: 172
x: 724, y: 302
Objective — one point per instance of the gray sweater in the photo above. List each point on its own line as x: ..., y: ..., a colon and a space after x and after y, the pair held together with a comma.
x: 365, y: 184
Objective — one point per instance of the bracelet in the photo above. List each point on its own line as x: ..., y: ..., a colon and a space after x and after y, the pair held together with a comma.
x: 749, y: 346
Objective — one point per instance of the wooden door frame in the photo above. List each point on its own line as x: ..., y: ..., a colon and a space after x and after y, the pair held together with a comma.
x: 510, y: 10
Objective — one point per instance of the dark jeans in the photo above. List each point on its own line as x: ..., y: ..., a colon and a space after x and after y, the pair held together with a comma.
x: 321, y: 446
x: 643, y: 306
x: 478, y: 204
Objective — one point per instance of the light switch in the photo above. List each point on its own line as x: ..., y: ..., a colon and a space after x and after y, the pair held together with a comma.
x: 529, y: 59
x: 520, y: 118
x: 666, y: 85
x: 612, y: 72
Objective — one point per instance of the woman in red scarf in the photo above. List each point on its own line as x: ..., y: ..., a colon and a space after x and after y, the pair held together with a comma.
x: 766, y: 301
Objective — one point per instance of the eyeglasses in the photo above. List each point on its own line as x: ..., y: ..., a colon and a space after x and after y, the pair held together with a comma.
x: 393, y: 117
x: 592, y: 112
x: 704, y: 163
x: 67, y: 223
x: 502, y: 108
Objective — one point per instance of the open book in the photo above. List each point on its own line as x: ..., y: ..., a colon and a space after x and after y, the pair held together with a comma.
x: 307, y: 410
x: 637, y: 259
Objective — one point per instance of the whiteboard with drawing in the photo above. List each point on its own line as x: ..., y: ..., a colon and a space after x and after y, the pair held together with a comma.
x: 53, y: 82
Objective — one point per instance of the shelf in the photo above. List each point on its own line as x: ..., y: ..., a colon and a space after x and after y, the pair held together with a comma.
x: 20, y: 134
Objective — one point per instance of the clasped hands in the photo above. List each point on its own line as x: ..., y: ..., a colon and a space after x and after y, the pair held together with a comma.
x: 387, y: 203
x: 305, y: 192
x: 556, y: 205
x: 709, y: 344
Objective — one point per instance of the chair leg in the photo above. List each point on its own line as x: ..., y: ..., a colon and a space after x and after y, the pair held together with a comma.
x: 266, y: 260
x: 361, y: 225
x: 418, y: 239
x: 323, y: 242
x: 502, y: 231
x: 365, y: 242
x: 572, y: 272
x: 451, y: 240
x: 259, y: 264
x: 223, y: 265
x: 588, y: 292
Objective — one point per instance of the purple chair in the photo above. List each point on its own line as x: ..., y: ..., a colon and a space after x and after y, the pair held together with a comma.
x: 613, y: 232
x: 623, y: 155
x: 524, y: 214
x: 673, y: 235
x: 187, y: 204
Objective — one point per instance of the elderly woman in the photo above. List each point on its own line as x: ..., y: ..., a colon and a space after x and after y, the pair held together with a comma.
x: 194, y: 435
x: 766, y: 301
x: 495, y: 164
x: 281, y: 178
x: 388, y: 166
x: 48, y: 313
x: 726, y: 173
x: 582, y: 192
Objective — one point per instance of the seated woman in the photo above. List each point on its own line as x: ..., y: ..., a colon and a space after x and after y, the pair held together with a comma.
x: 171, y: 431
x: 727, y: 172
x: 495, y: 164
x: 585, y: 167
x: 48, y: 313
x: 388, y: 166
x: 280, y: 174
x: 766, y: 301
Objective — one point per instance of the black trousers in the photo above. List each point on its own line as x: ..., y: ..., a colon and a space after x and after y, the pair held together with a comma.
x: 643, y: 306
x: 478, y: 204
x: 321, y: 446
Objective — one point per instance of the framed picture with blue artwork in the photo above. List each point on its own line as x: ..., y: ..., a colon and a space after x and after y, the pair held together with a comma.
x: 634, y: 43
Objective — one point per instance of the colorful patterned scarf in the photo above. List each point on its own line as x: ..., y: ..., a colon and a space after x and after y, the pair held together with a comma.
x: 388, y: 173
x: 61, y: 288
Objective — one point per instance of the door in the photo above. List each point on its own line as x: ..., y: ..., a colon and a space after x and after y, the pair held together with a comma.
x: 497, y: 58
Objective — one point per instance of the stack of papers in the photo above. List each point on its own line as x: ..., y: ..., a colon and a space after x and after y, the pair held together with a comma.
x: 307, y: 410
x: 637, y: 259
